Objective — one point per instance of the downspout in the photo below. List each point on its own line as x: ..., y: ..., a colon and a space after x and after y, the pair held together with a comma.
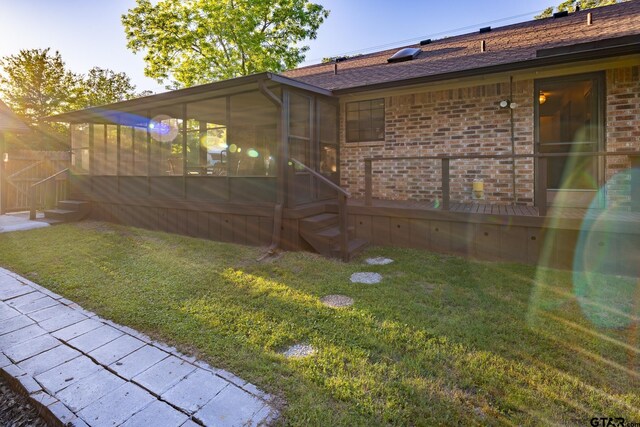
x: 282, y: 166
x: 3, y: 191
x: 513, y: 145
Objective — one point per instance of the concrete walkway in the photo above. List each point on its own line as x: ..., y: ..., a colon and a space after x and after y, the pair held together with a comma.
x: 19, y: 221
x: 85, y: 370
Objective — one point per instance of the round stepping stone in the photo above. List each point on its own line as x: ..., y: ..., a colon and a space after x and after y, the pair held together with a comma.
x: 379, y: 261
x: 299, y: 350
x: 366, y: 278
x: 337, y: 301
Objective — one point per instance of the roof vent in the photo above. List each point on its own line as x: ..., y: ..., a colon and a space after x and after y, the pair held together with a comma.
x: 485, y: 30
x: 406, y: 54
x: 425, y: 42
x: 561, y: 14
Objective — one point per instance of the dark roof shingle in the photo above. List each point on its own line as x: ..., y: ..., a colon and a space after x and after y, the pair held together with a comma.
x: 505, y: 45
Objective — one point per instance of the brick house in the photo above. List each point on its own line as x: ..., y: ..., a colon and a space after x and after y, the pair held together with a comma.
x: 436, y: 145
x: 444, y: 99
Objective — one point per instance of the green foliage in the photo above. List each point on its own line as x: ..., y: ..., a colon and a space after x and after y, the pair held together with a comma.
x: 441, y: 341
x: 198, y: 41
x: 35, y: 83
x: 339, y: 58
x: 570, y: 6
x: 102, y: 86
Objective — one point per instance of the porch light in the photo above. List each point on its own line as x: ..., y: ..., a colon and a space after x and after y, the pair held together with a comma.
x: 542, y: 98
x: 5, y: 158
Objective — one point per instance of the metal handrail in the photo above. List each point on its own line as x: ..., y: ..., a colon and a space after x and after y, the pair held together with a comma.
x: 322, y: 178
x: 342, y: 208
x: 33, y: 188
x: 541, y: 187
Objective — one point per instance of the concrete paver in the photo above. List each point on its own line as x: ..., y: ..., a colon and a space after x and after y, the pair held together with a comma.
x: 7, y: 312
x: 116, y: 349
x: 21, y: 335
x: 196, y: 390
x: 64, y: 375
x: 94, y: 339
x: 160, y: 377
x: 138, y: 361
x: 93, y: 372
x: 232, y: 407
x: 89, y: 389
x: 49, y: 359
x: 30, y: 348
x: 157, y: 414
x: 77, y: 329
x: 117, y: 406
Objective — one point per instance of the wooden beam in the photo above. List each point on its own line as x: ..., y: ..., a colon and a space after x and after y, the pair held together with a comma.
x: 445, y: 184
x: 368, y: 184
x: 541, y: 187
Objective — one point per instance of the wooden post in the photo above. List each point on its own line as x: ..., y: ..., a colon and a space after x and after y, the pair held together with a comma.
x: 32, y: 202
x: 541, y: 196
x: 344, y: 227
x: 3, y: 188
x: 445, y: 184
x: 368, y: 184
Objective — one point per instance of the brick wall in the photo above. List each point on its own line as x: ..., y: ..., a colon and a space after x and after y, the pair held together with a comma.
x: 461, y: 121
x: 469, y: 121
x: 623, y: 130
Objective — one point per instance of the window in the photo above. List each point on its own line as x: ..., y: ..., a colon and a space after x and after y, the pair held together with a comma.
x: 365, y: 120
x: 80, y: 148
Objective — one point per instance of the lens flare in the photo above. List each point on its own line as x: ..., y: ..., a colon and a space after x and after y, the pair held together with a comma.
x: 606, y: 263
x: 163, y: 128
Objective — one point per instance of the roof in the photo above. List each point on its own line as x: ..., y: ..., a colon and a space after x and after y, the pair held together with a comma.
x: 9, y: 121
x: 140, y: 105
x: 520, y: 45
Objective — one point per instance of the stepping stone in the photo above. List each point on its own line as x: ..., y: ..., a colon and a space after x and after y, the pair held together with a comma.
x: 299, y: 350
x: 366, y: 278
x: 379, y: 261
x: 337, y: 301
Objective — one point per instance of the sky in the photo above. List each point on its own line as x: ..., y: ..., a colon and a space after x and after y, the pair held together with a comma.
x: 89, y: 33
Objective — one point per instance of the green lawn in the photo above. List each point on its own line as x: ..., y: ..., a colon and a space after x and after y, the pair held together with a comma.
x: 441, y: 340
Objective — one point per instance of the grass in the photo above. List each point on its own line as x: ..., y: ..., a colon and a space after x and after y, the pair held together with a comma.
x: 442, y: 340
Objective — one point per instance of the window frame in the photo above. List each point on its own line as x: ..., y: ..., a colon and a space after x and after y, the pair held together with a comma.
x: 371, y: 128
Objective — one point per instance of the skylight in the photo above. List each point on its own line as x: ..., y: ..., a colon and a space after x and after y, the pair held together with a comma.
x: 406, y: 54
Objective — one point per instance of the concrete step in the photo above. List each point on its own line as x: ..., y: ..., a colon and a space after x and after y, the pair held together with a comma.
x: 64, y: 215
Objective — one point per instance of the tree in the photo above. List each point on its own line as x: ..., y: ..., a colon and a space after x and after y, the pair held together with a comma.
x: 103, y: 86
x: 570, y: 6
x: 35, y: 83
x: 189, y: 42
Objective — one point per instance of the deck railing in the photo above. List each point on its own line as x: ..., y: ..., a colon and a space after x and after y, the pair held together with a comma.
x: 540, y: 196
x: 48, y: 192
x: 342, y: 207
